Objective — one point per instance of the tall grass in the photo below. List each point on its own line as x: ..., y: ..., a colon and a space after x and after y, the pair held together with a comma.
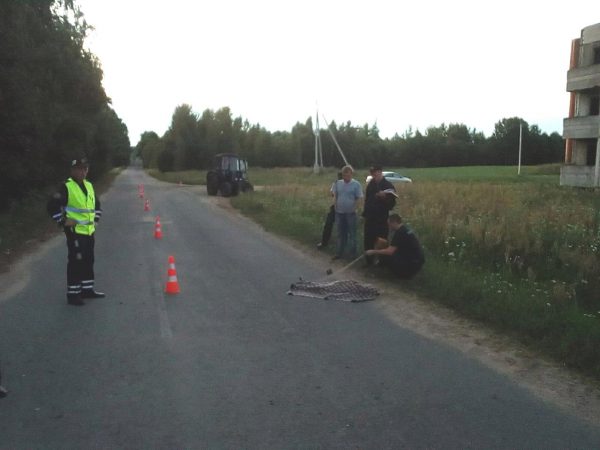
x: 518, y: 252
x: 534, y: 232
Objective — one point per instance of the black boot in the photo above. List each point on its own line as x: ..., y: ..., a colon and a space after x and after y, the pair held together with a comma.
x: 90, y: 293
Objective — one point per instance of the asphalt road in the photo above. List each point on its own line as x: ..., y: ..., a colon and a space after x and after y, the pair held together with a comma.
x: 232, y: 361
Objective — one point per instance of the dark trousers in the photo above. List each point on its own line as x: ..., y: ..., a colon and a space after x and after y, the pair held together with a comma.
x: 374, y: 228
x: 328, y: 227
x: 401, y: 267
x: 80, y: 267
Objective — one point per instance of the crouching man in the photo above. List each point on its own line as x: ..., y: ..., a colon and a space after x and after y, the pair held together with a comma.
x: 404, y: 255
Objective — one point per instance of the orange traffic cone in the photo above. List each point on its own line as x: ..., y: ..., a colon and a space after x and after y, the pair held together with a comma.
x: 147, y: 205
x: 157, y: 229
x: 141, y: 190
x: 172, y: 284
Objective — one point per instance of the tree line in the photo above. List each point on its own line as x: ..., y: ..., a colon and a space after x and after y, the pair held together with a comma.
x: 52, y: 103
x: 192, y: 140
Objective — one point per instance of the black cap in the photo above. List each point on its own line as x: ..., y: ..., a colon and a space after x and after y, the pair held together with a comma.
x: 375, y: 168
x: 80, y: 162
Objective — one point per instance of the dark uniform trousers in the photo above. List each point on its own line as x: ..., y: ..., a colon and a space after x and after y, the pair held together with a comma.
x: 374, y: 228
x: 403, y: 268
x: 80, y: 267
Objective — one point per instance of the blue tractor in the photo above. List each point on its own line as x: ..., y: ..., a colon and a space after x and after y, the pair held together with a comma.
x: 229, y: 175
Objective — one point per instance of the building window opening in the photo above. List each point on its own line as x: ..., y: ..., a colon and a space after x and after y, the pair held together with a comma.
x: 595, y: 106
x: 597, y: 55
x: 591, y: 152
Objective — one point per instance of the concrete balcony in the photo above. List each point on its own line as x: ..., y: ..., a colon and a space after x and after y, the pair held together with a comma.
x: 581, y: 127
x: 582, y: 78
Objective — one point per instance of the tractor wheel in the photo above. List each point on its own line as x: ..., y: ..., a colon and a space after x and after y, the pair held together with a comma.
x: 212, y: 184
x: 211, y: 190
x: 226, y: 189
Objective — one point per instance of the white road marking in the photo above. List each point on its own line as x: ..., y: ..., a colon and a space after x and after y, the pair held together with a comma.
x: 163, y: 316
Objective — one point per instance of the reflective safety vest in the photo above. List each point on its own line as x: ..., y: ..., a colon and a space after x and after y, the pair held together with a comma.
x: 81, y: 208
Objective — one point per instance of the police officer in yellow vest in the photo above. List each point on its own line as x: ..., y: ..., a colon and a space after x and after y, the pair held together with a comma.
x: 76, y: 208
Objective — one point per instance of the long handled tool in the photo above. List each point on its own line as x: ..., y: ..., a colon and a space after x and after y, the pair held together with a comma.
x: 347, y: 266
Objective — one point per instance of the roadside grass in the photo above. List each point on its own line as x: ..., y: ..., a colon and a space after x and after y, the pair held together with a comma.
x: 291, y: 210
x: 26, y: 223
x: 519, y: 253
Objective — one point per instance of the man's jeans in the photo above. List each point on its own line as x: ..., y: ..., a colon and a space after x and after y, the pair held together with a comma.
x: 346, y: 234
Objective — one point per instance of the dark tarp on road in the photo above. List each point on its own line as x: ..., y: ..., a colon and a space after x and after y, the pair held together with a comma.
x: 345, y: 290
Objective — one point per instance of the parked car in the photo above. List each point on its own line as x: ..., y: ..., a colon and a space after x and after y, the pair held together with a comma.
x: 395, y: 177
x: 392, y: 177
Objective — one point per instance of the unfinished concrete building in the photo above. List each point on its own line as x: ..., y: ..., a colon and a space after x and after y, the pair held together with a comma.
x: 582, y: 128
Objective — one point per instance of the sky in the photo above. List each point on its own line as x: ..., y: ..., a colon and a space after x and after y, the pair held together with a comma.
x: 396, y: 64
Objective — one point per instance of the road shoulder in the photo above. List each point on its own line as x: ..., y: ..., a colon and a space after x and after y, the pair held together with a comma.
x: 546, y: 379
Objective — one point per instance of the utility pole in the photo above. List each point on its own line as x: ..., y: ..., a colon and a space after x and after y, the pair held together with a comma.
x: 318, y: 149
x: 520, y: 146
x: 335, y: 141
x: 318, y: 165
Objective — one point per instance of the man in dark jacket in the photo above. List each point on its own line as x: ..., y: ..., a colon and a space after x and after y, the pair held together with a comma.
x: 380, y: 198
x: 404, y: 256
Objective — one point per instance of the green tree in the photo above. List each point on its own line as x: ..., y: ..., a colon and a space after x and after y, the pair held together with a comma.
x: 225, y: 136
x: 111, y: 140
x: 303, y: 143
x: 148, y: 148
x: 52, y: 103
x: 505, y: 140
x: 182, y: 139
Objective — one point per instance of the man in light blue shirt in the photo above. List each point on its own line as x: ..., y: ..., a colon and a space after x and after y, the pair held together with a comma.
x: 347, y: 194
